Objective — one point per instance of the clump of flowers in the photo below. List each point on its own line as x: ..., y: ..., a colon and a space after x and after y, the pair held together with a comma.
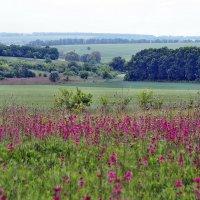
x: 117, y: 191
x: 81, y: 182
x: 57, y: 190
x: 128, y: 176
x: 2, y: 195
x: 197, y: 187
x: 179, y: 185
x: 86, y: 198
x: 112, y: 160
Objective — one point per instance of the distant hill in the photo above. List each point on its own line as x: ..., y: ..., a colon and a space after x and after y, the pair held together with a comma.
x: 24, y: 38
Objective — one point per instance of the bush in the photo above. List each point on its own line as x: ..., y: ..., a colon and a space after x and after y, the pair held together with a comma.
x: 84, y: 74
x: 72, y: 101
x: 69, y: 73
x: 105, y: 104
x: 147, y: 100
x: 106, y: 75
x: 48, y: 60
x: 54, y: 76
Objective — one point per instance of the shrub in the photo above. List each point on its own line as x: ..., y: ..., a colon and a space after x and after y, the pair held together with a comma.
x: 106, y: 75
x: 105, y: 104
x: 123, y: 103
x: 48, y: 60
x: 72, y: 101
x: 54, y: 76
x: 84, y: 74
x: 147, y: 100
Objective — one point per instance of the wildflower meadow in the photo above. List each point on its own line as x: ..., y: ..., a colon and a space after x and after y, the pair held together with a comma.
x: 147, y: 155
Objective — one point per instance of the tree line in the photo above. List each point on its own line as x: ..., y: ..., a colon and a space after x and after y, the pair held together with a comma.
x: 104, y: 41
x: 29, y: 52
x: 165, y: 64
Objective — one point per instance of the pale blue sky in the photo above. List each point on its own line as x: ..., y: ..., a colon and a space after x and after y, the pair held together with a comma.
x: 156, y: 17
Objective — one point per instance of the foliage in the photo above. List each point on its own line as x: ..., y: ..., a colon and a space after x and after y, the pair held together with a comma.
x: 118, y: 64
x: 54, y: 76
x: 92, y: 58
x: 147, y: 100
x: 106, y: 72
x: 28, y: 52
x: 105, y: 104
x: 48, y: 60
x: 72, y: 56
x: 72, y: 101
x: 84, y: 74
x: 117, y: 104
x: 165, y: 64
x: 9, y: 71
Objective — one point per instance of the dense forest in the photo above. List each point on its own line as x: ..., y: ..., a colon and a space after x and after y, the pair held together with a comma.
x: 29, y: 52
x: 165, y: 64
x: 104, y: 41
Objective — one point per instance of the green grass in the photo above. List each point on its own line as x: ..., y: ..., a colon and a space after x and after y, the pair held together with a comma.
x: 41, y: 96
x: 108, y: 51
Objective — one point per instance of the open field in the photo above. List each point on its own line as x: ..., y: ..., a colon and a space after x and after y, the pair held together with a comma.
x: 109, y: 51
x: 41, y: 96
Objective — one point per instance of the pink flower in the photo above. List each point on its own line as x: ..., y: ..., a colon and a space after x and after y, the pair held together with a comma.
x: 118, y: 189
x: 161, y: 159
x: 56, y: 197
x: 2, y: 191
x: 10, y: 146
x: 86, y: 198
x: 100, y: 175
x: 81, y: 183
x: 113, y: 158
x: 197, y: 193
x: 179, y: 184
x: 112, y: 174
x: 62, y: 158
x: 128, y: 176
x: 57, y: 188
x: 117, y: 180
x: 197, y: 180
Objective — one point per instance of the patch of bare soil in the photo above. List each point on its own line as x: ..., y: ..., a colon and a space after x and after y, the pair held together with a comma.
x: 41, y: 80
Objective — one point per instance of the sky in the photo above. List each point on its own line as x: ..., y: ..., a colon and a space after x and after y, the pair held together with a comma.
x: 154, y: 17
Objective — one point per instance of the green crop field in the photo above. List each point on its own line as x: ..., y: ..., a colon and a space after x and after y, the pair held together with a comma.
x: 108, y: 51
x: 41, y: 96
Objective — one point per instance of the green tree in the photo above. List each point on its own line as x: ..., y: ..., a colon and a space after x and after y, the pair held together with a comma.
x: 72, y: 56
x: 54, y: 76
x: 118, y: 64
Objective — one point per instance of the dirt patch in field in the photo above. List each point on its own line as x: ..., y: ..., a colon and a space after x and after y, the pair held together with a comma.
x: 41, y: 80
x: 16, y: 81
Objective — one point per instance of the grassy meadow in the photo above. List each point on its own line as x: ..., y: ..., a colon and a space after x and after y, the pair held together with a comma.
x: 109, y: 51
x: 41, y: 96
